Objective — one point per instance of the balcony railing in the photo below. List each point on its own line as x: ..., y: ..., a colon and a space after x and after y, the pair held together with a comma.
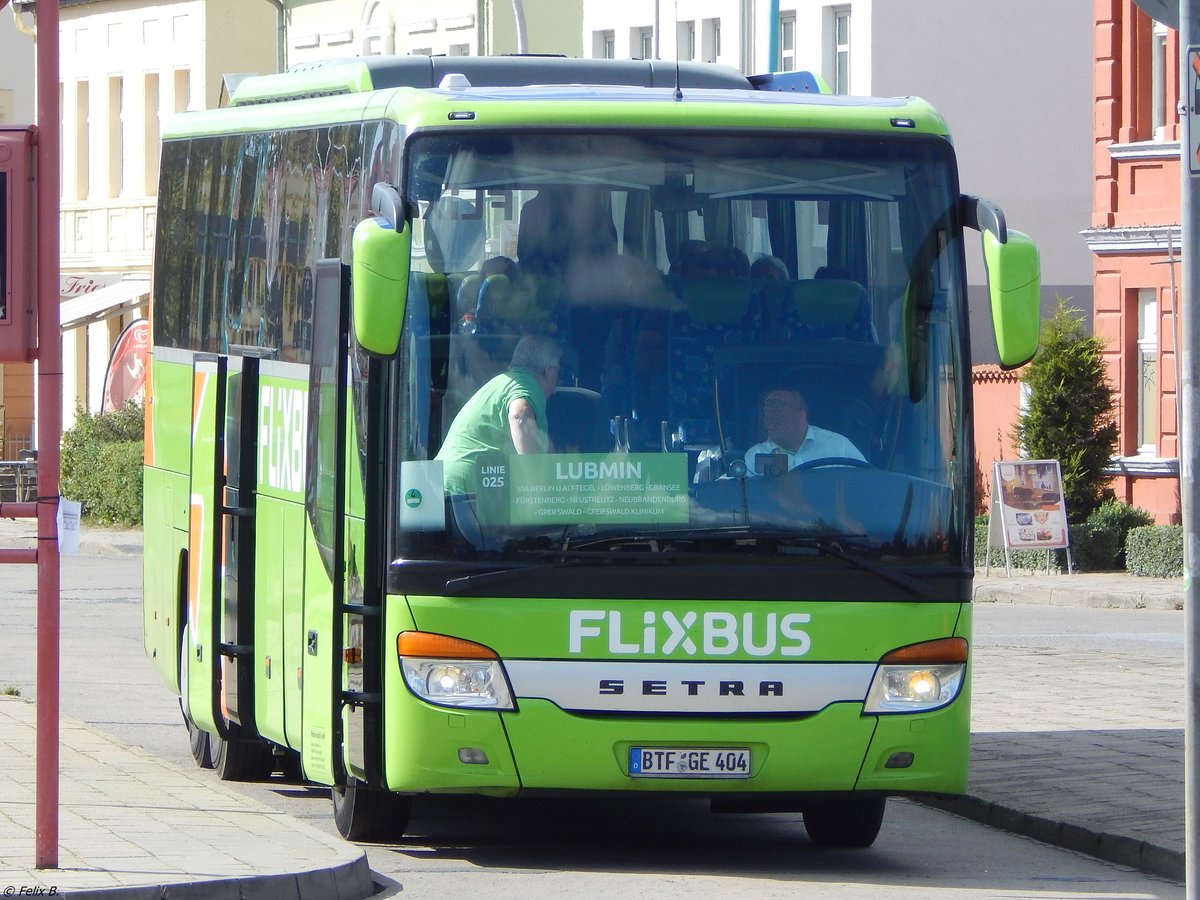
x: 108, y: 234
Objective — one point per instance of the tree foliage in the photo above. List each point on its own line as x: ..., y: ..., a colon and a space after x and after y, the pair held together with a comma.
x: 1071, y: 415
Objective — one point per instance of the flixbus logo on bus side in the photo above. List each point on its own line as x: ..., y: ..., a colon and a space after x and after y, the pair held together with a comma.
x: 687, y: 633
x: 281, y: 437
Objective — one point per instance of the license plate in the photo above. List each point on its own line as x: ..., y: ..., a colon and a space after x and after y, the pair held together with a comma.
x: 689, y: 762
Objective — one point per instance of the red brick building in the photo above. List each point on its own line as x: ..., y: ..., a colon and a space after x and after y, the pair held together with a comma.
x: 1134, y: 236
x: 996, y: 396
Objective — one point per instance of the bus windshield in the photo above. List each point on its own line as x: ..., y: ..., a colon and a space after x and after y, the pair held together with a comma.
x: 686, y: 343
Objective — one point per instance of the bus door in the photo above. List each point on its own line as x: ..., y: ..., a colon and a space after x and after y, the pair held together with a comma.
x: 325, y: 655
x: 220, y: 545
x: 238, y: 515
x: 205, y: 541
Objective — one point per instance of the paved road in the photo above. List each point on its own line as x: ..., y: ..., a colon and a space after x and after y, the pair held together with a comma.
x: 1111, y: 668
x: 1066, y: 698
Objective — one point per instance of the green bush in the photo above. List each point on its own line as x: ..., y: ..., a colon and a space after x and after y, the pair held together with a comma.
x: 1094, y: 547
x: 1117, y: 518
x: 1155, y: 551
x: 102, y: 465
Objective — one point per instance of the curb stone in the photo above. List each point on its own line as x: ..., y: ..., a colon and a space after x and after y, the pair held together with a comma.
x: 1112, y: 848
x: 352, y: 879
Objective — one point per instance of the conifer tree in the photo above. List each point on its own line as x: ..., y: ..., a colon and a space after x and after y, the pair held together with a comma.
x: 1071, y: 415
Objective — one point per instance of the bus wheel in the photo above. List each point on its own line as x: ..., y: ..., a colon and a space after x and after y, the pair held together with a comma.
x: 201, y: 744
x: 362, y: 814
x: 242, y: 760
x: 844, y: 823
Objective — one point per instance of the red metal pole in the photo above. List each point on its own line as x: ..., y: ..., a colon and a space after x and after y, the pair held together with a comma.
x: 49, y: 429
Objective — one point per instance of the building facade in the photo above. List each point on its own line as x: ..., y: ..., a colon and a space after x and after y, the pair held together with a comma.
x: 1134, y: 238
x: 17, y: 103
x: 125, y: 66
x: 1018, y: 144
x: 344, y: 28
x: 128, y: 63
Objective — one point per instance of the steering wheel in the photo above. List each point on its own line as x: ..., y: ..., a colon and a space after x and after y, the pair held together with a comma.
x: 834, y: 461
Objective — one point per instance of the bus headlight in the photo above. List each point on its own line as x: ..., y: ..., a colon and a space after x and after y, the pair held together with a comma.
x: 918, y: 678
x: 458, y: 682
x: 913, y: 689
x: 449, y: 671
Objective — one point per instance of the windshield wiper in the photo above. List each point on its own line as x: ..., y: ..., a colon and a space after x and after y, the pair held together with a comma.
x: 652, y: 541
x: 641, y: 550
x: 563, y: 559
x: 479, y: 579
x: 749, y: 537
x: 830, y: 547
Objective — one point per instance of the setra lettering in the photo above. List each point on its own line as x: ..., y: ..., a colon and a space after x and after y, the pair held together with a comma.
x: 724, y: 688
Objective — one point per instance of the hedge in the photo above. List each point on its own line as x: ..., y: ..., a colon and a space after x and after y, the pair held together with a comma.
x: 1155, y: 551
x: 102, y: 465
x: 1149, y: 550
x: 1120, y: 518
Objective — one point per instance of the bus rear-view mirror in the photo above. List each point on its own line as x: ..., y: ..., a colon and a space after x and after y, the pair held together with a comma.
x: 1014, y: 288
x: 379, y: 277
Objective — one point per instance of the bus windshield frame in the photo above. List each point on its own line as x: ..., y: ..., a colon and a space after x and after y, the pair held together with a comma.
x: 693, y: 281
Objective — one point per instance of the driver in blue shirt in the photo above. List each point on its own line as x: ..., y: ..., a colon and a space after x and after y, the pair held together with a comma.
x: 785, y: 420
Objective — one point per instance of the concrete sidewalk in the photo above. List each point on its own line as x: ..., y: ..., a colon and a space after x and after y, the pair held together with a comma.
x: 134, y: 826
x: 1094, y: 761
x: 1097, y: 590
x: 109, y: 542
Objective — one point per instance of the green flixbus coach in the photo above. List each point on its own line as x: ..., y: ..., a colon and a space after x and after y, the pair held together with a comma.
x: 678, y: 594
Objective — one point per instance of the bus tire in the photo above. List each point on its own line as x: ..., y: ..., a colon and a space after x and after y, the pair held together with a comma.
x: 201, y: 745
x: 363, y: 814
x: 844, y: 823
x: 199, y: 741
x: 242, y: 760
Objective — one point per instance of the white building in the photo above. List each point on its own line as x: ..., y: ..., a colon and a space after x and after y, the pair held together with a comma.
x: 17, y: 75
x: 339, y: 28
x: 125, y: 66
x: 1018, y: 101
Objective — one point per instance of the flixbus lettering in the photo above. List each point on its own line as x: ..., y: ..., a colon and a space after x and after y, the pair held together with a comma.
x: 281, y: 420
x: 690, y: 633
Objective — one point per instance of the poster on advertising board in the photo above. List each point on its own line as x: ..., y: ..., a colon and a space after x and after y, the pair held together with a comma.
x: 1029, y: 511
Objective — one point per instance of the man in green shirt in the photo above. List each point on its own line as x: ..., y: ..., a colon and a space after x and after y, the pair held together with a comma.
x: 506, y: 415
